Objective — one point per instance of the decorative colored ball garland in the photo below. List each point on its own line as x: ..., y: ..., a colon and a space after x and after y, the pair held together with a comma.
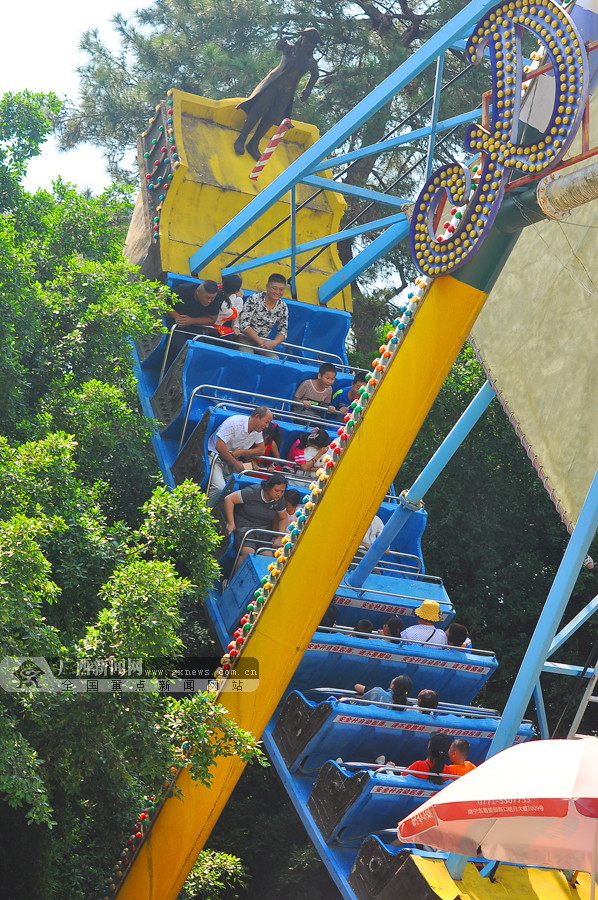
x: 139, y: 830
x: 159, y: 176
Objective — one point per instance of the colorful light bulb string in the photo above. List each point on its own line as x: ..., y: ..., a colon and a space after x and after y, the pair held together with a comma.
x: 386, y: 353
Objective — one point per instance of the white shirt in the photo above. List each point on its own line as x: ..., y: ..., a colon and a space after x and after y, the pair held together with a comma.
x: 426, y: 634
x: 230, y: 305
x: 234, y: 432
x: 374, y: 531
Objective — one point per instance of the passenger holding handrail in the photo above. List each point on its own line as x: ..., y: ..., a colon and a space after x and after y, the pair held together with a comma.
x: 237, y: 438
x: 194, y: 313
x: 258, y: 506
x: 307, y: 451
x: 261, y: 313
x: 425, y: 631
x: 317, y: 391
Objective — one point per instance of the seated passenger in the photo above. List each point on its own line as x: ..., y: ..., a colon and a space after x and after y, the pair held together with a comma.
x: 272, y: 441
x: 317, y: 392
x: 457, y: 636
x: 435, y: 764
x: 374, y: 531
x: 392, y: 627
x: 425, y: 631
x: 459, y: 757
x: 396, y: 694
x: 258, y: 506
x: 231, y: 305
x: 307, y: 451
x: 292, y: 501
x: 364, y: 626
x: 261, y: 313
x: 329, y: 618
x: 342, y: 399
x: 194, y: 313
x: 427, y: 699
x: 238, y: 438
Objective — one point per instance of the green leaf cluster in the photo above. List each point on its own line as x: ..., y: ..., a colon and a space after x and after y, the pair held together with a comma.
x: 92, y: 564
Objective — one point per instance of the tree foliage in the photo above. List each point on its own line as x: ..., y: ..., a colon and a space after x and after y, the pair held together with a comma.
x: 84, y: 570
x: 25, y: 122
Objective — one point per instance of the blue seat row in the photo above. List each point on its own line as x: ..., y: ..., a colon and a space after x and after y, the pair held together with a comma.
x: 221, y: 374
x: 309, y: 733
x: 348, y: 806
x: 309, y: 325
x: 338, y: 660
x: 351, y: 654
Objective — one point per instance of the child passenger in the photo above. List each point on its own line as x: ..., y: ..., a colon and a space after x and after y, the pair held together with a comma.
x: 458, y: 755
x: 272, y: 441
x: 231, y: 295
x: 318, y: 390
x: 308, y: 450
x: 292, y: 501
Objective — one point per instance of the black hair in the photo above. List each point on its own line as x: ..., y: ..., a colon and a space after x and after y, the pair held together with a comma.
x: 210, y: 287
x: 292, y: 496
x: 427, y: 699
x: 272, y: 480
x: 401, y: 685
x: 272, y: 431
x: 231, y: 283
x: 438, y: 748
x: 462, y: 746
x: 394, y: 625
x: 320, y: 439
x: 329, y: 619
x: 456, y: 634
x: 359, y: 377
x: 364, y: 625
x: 277, y: 277
x: 317, y: 436
x: 326, y: 367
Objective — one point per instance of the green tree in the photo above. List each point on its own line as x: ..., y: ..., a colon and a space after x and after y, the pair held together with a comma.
x: 83, y: 570
x: 25, y: 123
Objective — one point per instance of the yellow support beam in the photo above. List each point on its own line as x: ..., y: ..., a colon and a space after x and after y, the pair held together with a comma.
x: 511, y: 883
x: 312, y: 574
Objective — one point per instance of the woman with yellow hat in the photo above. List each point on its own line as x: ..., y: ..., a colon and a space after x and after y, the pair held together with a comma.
x: 425, y: 631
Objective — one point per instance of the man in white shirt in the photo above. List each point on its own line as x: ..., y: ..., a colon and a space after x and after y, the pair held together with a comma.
x: 238, y: 438
x: 425, y: 631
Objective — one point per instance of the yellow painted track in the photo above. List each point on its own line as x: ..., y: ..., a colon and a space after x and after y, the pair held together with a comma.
x: 322, y: 554
x: 511, y: 883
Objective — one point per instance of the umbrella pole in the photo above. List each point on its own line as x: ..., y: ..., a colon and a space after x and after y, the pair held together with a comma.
x: 594, y: 861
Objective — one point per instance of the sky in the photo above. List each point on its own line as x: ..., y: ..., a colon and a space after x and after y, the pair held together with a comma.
x: 41, y: 53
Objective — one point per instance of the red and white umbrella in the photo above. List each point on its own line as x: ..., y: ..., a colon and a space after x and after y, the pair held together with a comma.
x: 533, y: 804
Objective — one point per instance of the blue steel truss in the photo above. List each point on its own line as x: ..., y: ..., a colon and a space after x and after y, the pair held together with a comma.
x: 315, y: 159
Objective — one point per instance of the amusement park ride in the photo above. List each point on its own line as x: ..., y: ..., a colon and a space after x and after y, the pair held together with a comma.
x: 463, y: 228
